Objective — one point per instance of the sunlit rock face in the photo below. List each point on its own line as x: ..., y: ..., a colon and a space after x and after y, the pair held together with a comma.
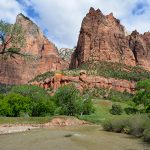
x: 43, y: 56
x: 84, y: 81
x: 103, y: 38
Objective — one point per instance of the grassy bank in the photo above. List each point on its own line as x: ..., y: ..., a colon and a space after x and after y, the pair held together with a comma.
x: 137, y: 125
x: 22, y: 120
x: 102, y: 111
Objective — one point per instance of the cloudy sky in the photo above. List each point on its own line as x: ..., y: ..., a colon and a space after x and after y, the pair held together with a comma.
x: 60, y: 20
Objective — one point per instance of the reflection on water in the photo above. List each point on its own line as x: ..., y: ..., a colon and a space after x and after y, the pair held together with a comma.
x: 70, y: 138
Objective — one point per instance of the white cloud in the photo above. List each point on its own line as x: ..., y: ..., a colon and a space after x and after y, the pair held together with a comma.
x: 9, y: 9
x: 62, y: 18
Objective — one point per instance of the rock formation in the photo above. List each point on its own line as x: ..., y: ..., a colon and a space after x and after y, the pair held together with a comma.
x: 86, y: 82
x: 140, y: 46
x: 43, y: 56
x: 103, y: 38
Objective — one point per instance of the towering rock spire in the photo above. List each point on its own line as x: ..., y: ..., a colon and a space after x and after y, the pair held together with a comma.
x: 102, y: 38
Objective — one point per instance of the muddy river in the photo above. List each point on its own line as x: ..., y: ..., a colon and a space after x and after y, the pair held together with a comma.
x: 70, y: 138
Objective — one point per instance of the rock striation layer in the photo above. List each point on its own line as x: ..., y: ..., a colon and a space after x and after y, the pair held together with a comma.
x: 86, y: 82
x: 43, y: 56
x: 103, y: 38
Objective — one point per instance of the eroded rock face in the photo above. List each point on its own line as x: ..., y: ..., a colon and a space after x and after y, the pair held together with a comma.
x: 140, y: 45
x: 103, y: 38
x: 43, y: 56
x: 87, y: 82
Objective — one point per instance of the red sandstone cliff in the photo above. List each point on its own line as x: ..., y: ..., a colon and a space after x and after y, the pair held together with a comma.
x: 140, y: 45
x: 86, y: 82
x: 103, y: 38
x: 43, y: 56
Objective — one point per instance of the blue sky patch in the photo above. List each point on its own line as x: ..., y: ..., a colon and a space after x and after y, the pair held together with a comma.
x: 31, y: 12
x: 139, y: 9
x: 29, y: 9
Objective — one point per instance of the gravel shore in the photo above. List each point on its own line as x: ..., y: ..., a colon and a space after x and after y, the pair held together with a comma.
x: 6, y: 129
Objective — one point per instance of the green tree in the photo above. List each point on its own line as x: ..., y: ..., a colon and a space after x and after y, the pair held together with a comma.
x: 42, y: 103
x: 70, y: 101
x: 11, y: 39
x: 14, y: 105
x: 34, y: 92
x: 43, y: 108
x: 143, y: 85
x: 142, y: 97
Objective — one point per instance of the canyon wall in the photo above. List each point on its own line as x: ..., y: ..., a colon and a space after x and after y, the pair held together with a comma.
x: 103, y: 38
x: 42, y: 56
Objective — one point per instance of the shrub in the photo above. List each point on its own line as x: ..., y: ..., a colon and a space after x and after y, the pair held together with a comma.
x: 130, y: 110
x: 5, y: 88
x: 108, y: 94
x: 137, y: 124
x: 134, y: 125
x: 116, y: 109
x: 119, y: 124
x: 88, y: 107
x: 115, y: 125
x: 146, y: 135
x: 107, y: 125
x: 43, y: 76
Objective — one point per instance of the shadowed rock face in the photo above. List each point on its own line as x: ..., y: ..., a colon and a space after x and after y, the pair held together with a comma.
x: 140, y: 45
x: 44, y: 56
x: 103, y: 38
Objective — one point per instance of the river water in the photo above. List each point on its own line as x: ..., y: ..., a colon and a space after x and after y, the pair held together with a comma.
x: 70, y: 138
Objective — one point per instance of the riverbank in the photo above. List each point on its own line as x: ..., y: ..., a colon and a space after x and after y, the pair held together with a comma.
x: 55, y: 122
x: 7, y: 129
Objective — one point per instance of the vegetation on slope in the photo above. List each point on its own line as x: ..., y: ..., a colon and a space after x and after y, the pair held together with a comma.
x: 137, y: 122
x: 107, y: 94
x: 105, y: 69
x: 5, y: 88
x: 33, y: 101
x: 116, y: 70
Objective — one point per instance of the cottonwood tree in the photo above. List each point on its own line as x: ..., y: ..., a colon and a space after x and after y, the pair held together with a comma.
x: 11, y: 40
